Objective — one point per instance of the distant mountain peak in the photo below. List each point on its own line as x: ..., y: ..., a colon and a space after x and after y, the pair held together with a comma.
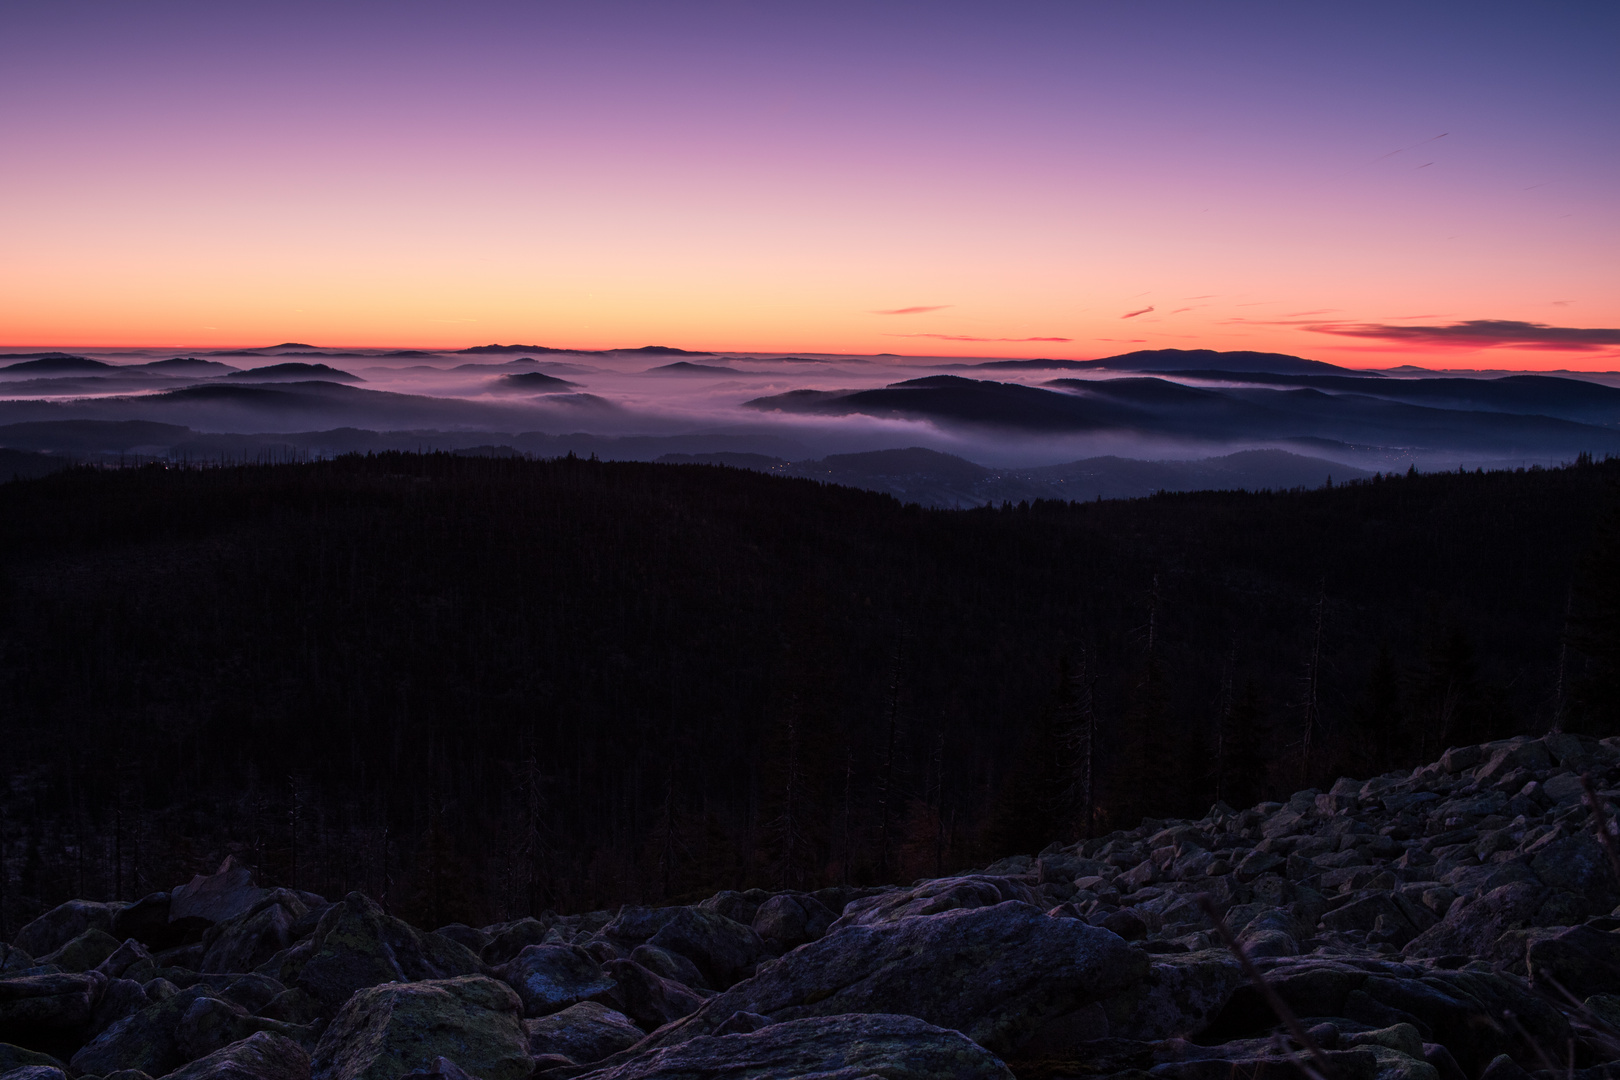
x: 1212, y: 360
x: 686, y: 367
x: 296, y: 370
x: 662, y: 350
x: 513, y: 349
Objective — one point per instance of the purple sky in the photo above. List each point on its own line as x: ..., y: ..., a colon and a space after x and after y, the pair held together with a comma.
x: 1369, y: 183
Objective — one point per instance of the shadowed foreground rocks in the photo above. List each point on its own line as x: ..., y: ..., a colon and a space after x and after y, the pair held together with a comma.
x: 1458, y: 922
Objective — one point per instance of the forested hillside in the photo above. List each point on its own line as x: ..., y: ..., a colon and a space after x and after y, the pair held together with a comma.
x: 482, y: 687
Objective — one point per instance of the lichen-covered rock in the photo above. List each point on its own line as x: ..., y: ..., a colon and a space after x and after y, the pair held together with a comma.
x: 84, y: 952
x: 996, y: 974
x: 847, y: 1047
x: 355, y: 945
x: 386, y: 1031
x: 582, y: 1033
x: 62, y: 924
x: 145, y: 1040
x: 933, y: 898
x: 246, y: 940
x: 553, y: 977
x: 261, y: 1056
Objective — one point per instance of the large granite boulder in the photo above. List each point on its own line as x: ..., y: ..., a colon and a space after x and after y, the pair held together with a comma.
x: 218, y: 897
x: 724, y: 950
x: 553, y: 977
x: 786, y: 921
x: 261, y: 1056
x: 146, y: 1040
x: 16, y: 1057
x: 933, y: 898
x: 131, y: 960
x: 997, y: 974
x: 646, y: 998
x: 1576, y: 863
x: 506, y: 940
x: 84, y: 952
x: 13, y: 961
x: 1579, y: 959
x: 211, y: 1024
x: 1180, y: 997
x: 62, y: 924
x: 246, y: 940
x: 35, y: 1072
x: 49, y: 1012
x: 1473, y: 929
x: 844, y: 1047
x: 582, y: 1033
x: 670, y: 965
x: 121, y: 998
x: 386, y: 1031
x: 356, y: 945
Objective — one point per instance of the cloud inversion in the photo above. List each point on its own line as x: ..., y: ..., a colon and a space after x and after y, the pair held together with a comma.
x: 1482, y: 333
x: 913, y: 310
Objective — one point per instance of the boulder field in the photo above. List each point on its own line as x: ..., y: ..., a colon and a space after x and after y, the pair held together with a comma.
x: 1458, y: 922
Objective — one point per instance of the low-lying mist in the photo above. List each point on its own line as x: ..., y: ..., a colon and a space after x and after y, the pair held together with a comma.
x: 1020, y: 428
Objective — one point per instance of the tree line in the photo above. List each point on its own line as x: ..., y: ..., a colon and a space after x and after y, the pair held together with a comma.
x: 485, y: 687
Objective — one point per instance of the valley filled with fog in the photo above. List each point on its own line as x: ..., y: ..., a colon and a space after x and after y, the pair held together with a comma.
x: 941, y: 431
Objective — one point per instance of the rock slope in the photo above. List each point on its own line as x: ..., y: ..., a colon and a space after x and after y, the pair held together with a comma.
x: 1453, y: 923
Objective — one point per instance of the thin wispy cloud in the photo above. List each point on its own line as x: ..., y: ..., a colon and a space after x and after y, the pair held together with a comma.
x: 1134, y: 314
x: 1482, y: 333
x: 964, y: 337
x: 1414, y: 146
x: 920, y: 310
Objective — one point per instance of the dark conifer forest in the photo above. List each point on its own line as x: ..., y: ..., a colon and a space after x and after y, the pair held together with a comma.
x: 484, y: 687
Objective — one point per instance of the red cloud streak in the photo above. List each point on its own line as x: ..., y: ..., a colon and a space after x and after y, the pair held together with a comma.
x: 1481, y: 333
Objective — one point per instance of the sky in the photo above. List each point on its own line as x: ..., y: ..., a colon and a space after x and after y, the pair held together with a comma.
x: 1371, y: 184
